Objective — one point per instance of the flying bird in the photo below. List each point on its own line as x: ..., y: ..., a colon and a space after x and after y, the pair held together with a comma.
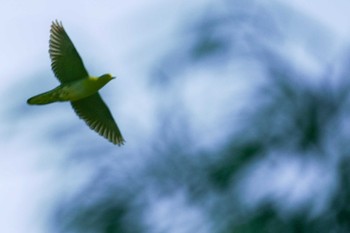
x: 78, y: 87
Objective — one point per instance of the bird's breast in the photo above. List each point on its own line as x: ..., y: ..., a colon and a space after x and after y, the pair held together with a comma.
x: 77, y: 90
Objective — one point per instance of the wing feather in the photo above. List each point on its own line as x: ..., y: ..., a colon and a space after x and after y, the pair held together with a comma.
x: 65, y: 60
x: 98, y: 117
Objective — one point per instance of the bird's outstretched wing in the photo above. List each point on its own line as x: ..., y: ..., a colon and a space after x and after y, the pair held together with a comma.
x: 98, y: 117
x: 65, y: 60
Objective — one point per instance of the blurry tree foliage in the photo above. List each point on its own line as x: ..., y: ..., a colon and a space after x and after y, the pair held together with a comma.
x: 293, y: 115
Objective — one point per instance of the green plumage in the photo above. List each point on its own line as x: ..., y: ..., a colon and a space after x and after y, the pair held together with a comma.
x: 78, y: 87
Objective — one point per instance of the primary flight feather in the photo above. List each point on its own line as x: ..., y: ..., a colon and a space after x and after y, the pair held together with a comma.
x: 78, y: 87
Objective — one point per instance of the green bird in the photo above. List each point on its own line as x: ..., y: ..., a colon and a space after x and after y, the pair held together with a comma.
x: 77, y: 86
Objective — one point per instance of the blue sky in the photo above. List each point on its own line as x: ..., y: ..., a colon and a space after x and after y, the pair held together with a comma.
x: 124, y: 38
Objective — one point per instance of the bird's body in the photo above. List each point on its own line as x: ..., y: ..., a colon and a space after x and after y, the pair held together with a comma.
x: 78, y: 87
x: 72, y: 91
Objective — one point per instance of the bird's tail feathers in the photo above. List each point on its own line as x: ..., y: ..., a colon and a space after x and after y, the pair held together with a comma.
x: 44, y: 98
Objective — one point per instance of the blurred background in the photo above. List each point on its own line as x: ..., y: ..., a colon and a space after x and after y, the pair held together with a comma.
x: 235, y: 113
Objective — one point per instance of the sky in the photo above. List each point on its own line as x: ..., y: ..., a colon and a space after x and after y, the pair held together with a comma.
x: 124, y: 38
x: 118, y: 37
x: 332, y: 15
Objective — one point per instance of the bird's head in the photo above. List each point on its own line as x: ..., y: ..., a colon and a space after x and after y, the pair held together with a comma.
x: 107, y: 77
x: 104, y: 79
